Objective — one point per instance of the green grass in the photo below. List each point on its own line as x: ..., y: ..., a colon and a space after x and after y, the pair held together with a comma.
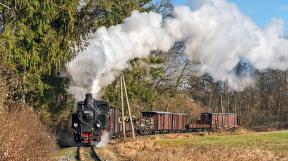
x: 67, y: 154
x: 272, y: 141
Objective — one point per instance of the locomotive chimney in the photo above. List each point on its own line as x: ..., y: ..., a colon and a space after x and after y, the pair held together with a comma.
x: 88, y: 100
x: 88, y: 96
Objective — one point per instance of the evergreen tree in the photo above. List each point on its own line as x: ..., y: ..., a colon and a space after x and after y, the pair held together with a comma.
x: 38, y: 38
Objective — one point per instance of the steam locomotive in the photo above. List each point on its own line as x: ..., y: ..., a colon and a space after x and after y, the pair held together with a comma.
x: 94, y: 117
x: 90, y: 120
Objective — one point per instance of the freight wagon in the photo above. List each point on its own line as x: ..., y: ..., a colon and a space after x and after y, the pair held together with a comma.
x: 160, y: 122
x: 215, y: 121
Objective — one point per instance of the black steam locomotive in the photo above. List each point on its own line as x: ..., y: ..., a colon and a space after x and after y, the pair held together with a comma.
x: 90, y: 120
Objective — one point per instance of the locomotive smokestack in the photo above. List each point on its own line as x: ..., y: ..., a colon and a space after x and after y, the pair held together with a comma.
x: 88, y: 100
x: 88, y: 96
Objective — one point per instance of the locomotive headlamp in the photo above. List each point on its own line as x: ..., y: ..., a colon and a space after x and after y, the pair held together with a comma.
x: 98, y: 125
x: 75, y: 124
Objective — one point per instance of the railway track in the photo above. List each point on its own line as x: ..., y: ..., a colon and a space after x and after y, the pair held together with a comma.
x: 87, y: 154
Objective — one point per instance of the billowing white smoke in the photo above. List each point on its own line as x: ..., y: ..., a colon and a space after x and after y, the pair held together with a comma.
x: 219, y: 35
x: 111, y: 49
x: 215, y: 33
x: 104, y: 139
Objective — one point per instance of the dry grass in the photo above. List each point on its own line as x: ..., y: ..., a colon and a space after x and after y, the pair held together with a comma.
x: 22, y: 137
x: 196, y: 147
x: 202, y: 153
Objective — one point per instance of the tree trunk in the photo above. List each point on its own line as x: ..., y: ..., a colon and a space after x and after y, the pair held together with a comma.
x: 228, y: 103
x: 278, y: 115
x: 235, y: 103
x: 221, y: 103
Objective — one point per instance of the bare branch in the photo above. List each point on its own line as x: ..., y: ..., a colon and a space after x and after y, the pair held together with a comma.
x: 5, y: 5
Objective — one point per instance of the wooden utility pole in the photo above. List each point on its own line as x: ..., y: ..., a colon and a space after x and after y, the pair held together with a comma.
x: 122, y: 108
x: 129, y: 111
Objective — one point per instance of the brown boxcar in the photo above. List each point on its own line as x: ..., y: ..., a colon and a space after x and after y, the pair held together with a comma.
x: 158, y: 121
x: 221, y: 120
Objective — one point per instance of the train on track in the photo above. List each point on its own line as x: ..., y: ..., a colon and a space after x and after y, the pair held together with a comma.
x: 93, y: 117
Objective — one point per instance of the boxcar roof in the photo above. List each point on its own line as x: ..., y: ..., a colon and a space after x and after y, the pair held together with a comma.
x: 162, y: 112
x: 214, y: 113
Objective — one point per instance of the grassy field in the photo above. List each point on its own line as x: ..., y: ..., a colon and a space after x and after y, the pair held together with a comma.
x: 273, y: 141
x: 185, y: 147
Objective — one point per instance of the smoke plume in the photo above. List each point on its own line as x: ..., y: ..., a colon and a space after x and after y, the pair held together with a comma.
x: 215, y: 33
x: 112, y: 48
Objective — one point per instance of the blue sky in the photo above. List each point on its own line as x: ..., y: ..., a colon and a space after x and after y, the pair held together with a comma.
x: 261, y: 11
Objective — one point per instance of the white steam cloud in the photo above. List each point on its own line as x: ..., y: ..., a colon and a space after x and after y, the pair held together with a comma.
x: 111, y: 49
x: 215, y: 33
x: 105, y: 137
